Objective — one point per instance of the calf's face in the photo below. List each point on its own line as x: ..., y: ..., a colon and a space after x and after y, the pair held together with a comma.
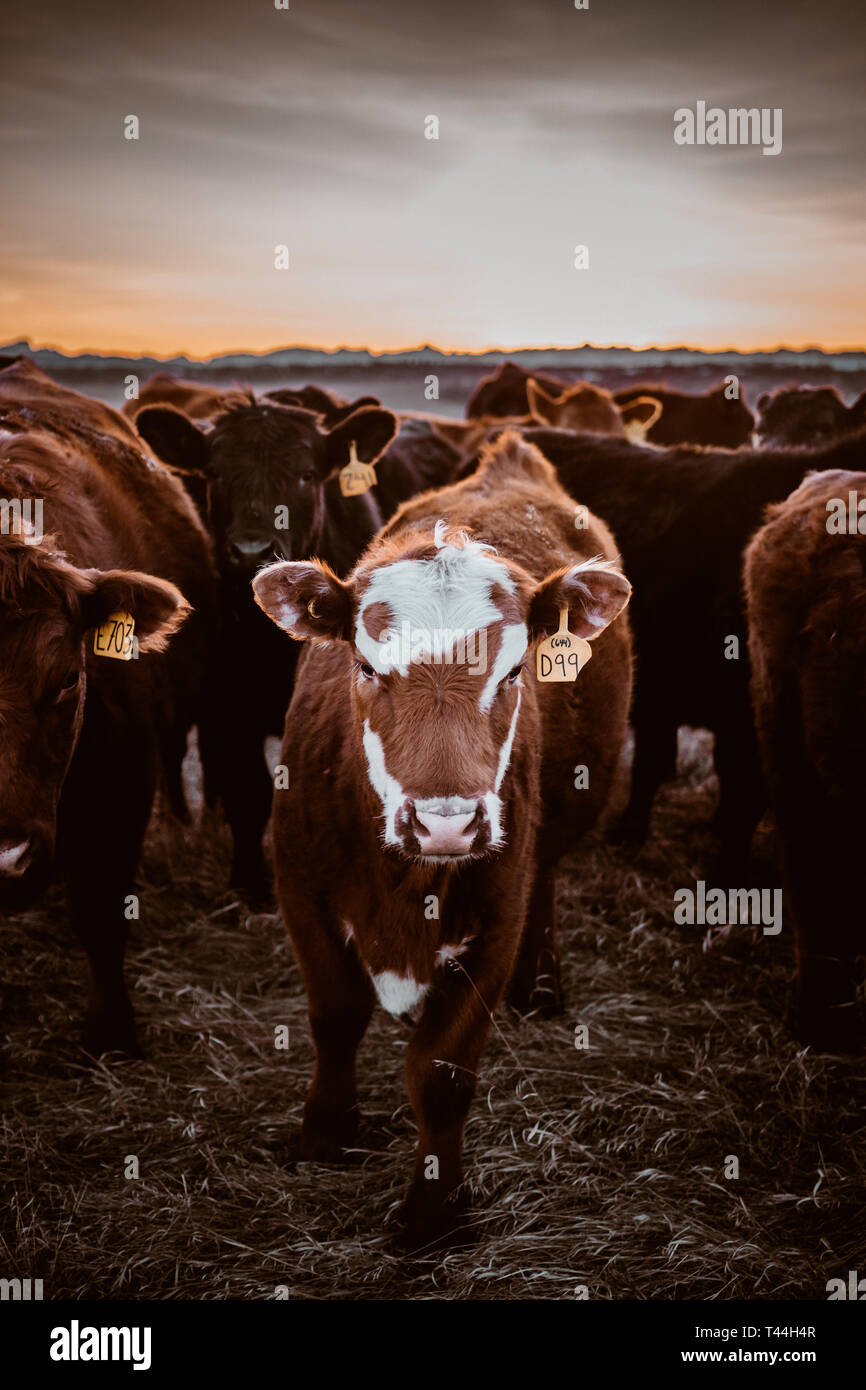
x: 48, y: 610
x: 441, y: 638
x: 266, y: 466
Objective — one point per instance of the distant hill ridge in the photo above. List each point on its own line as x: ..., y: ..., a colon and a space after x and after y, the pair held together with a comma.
x: 586, y: 357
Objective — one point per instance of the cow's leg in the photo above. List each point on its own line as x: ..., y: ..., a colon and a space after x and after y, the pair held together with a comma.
x: 742, y: 798
x: 247, y: 793
x: 340, y: 1002
x: 535, y: 981
x: 822, y: 894
x: 441, y: 1074
x: 655, y: 762
x: 102, y: 820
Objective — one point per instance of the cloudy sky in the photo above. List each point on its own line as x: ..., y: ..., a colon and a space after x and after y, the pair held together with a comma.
x: 306, y: 127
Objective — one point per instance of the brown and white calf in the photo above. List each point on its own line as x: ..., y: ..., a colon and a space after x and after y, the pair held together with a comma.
x: 433, y: 785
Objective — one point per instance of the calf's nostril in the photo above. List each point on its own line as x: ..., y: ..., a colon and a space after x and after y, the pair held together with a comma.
x: 15, y: 857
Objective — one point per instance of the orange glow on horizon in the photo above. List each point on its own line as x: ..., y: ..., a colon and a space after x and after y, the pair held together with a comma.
x: 377, y: 348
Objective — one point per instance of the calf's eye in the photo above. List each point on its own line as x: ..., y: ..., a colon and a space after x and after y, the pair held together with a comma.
x: 70, y: 684
x: 514, y: 673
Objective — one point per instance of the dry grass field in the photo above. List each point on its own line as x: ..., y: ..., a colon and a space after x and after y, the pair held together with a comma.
x: 602, y: 1168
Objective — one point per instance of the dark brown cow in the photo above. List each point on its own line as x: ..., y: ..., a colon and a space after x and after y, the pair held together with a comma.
x: 84, y: 736
x: 435, y: 783
x: 806, y: 584
x: 682, y: 519
x: 331, y: 407
x: 709, y: 419
x: 810, y: 415
x: 503, y: 393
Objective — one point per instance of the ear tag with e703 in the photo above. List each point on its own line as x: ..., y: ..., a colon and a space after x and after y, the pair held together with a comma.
x: 116, y: 637
x: 356, y: 477
x: 560, y: 657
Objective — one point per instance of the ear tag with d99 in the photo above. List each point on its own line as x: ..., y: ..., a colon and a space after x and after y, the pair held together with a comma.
x: 560, y: 657
x: 116, y: 637
x: 356, y: 477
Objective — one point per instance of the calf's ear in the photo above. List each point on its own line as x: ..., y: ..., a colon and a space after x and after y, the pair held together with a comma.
x: 342, y: 412
x: 641, y: 413
x: 157, y: 607
x: 594, y: 593
x: 542, y: 406
x: 173, y: 437
x: 306, y: 599
x: 372, y: 431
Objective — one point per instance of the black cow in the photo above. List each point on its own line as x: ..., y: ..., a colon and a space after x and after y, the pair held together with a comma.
x: 272, y: 493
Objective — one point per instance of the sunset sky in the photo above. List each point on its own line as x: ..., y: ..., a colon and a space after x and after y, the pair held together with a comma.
x: 306, y: 127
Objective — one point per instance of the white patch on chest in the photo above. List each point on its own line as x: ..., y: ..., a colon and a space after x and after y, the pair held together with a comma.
x: 399, y: 994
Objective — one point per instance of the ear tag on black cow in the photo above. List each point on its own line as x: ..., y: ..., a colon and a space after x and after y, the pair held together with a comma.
x: 560, y: 657
x: 116, y: 637
x: 356, y: 477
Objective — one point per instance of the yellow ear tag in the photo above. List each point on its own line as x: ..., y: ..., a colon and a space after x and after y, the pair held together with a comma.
x: 560, y: 657
x: 356, y: 477
x: 116, y: 637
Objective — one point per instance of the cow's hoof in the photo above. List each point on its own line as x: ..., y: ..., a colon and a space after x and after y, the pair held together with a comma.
x: 100, y: 1038
x: 544, y: 1002
x: 837, y: 1030
x: 323, y: 1146
x: 256, y: 891
x: 427, y: 1228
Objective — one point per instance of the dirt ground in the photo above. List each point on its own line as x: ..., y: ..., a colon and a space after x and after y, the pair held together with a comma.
x: 601, y: 1168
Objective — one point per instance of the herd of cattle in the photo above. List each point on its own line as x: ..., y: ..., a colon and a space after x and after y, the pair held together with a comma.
x: 426, y: 798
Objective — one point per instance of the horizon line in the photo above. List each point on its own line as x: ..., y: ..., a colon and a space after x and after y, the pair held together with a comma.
x: 432, y: 347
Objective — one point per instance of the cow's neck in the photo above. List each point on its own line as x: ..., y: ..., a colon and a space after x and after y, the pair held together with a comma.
x: 347, y: 526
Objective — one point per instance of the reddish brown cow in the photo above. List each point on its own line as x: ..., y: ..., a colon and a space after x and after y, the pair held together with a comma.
x: 592, y: 410
x: 84, y: 736
x: 806, y: 584
x: 197, y: 400
x: 435, y: 783
x: 810, y: 415
x: 516, y: 396
x: 689, y: 419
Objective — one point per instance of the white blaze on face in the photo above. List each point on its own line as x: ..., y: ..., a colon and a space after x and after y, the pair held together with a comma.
x: 387, y: 788
x: 452, y: 592
x: 430, y: 601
